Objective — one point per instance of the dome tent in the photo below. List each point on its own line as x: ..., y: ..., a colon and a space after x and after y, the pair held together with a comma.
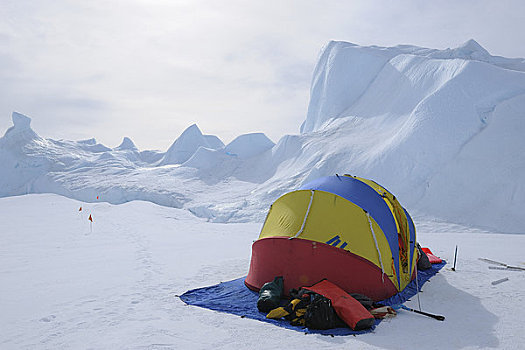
x: 346, y: 229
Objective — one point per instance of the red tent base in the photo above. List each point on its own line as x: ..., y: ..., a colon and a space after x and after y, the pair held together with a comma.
x: 303, y: 263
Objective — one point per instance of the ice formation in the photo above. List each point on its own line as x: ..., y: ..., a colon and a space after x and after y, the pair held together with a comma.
x: 440, y: 128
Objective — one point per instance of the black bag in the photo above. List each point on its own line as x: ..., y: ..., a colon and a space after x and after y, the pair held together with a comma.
x: 422, y: 262
x: 321, y: 315
x: 270, y: 295
x: 364, y: 300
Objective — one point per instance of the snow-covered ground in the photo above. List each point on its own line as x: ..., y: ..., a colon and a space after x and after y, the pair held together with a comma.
x: 64, y: 286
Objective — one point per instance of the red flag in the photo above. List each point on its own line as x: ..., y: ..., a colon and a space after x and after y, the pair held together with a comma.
x: 97, y: 197
x: 90, y: 218
x: 80, y: 209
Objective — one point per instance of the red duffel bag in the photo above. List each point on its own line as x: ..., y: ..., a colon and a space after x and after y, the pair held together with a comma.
x: 347, y: 308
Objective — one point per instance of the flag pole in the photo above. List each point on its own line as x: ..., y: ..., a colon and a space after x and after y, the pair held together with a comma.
x: 90, y: 223
x: 455, y: 257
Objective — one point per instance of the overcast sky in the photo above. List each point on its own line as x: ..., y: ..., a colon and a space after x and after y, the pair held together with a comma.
x: 148, y: 69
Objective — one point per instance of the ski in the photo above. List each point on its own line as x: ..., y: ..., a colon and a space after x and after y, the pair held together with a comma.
x: 510, y: 267
x: 494, y: 262
x: 437, y: 317
x: 500, y: 281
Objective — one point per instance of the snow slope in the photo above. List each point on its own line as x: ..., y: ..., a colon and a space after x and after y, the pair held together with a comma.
x: 188, y: 143
x: 345, y: 71
x: 444, y: 123
x: 441, y: 129
x: 64, y: 286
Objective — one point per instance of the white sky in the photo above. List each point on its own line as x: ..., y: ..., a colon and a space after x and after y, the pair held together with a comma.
x: 148, y: 69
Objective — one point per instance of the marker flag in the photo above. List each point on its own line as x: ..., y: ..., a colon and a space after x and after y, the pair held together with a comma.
x: 90, y: 218
x: 80, y: 209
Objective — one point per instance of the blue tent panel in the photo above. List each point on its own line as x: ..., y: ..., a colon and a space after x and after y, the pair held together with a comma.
x: 234, y: 298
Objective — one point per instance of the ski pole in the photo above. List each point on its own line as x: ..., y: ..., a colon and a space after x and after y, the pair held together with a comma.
x: 455, y: 256
x: 437, y: 317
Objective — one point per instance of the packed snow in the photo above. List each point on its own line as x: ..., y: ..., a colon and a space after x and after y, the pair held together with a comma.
x: 441, y: 129
x: 114, y: 285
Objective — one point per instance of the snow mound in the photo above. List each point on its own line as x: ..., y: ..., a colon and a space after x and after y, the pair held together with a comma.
x: 20, y: 132
x: 18, y: 169
x: 249, y: 145
x: 414, y: 113
x: 151, y: 156
x: 345, y: 72
x: 126, y: 144
x: 205, y: 158
x: 213, y: 141
x: 187, y: 144
x: 20, y: 121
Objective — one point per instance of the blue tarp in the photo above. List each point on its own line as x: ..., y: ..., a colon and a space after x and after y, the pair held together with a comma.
x: 235, y: 298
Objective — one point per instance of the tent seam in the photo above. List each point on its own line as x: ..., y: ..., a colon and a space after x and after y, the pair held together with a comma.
x: 377, y: 247
x: 305, y: 215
